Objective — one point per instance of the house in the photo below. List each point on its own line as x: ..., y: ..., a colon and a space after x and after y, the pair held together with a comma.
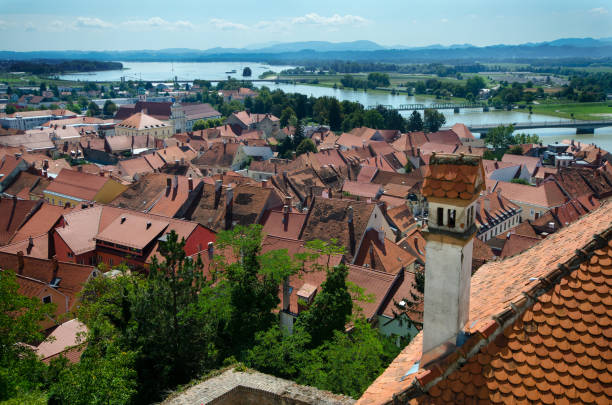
x: 127, y: 145
x: 143, y: 124
x: 27, y: 186
x: 284, y: 223
x: 51, y: 281
x: 131, y: 169
x: 533, y: 200
x: 222, y: 209
x: 384, y: 288
x: 67, y: 340
x: 241, y: 94
x: 246, y: 154
x: 158, y: 193
x: 380, y: 253
x: 25, y: 120
x: 506, y: 171
x: 161, y: 110
x: 13, y: 214
x: 532, y: 328
x: 347, y: 221
x: 111, y: 235
x: 401, y: 220
x: 74, y: 188
x: 495, y: 214
x: 218, y: 159
x: 184, y: 115
x: 10, y: 167
x: 531, y: 163
x: 33, y: 141
x: 247, y: 121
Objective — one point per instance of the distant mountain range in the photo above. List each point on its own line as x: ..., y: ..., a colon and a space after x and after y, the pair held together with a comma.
x: 563, y: 48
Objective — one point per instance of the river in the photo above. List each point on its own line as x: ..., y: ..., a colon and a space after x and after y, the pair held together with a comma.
x: 153, y: 71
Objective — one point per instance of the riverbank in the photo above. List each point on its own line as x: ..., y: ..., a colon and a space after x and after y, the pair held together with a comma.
x: 578, y: 111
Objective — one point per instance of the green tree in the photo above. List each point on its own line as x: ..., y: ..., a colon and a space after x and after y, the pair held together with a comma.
x: 10, y: 109
x: 415, y: 122
x: 433, y: 120
x: 199, y: 125
x: 285, y: 116
x: 348, y: 363
x: 307, y: 145
x: 43, y: 87
x: 298, y: 135
x: 246, y: 71
x: 474, y: 84
x: 331, y: 307
x: 109, y: 108
x: 500, y: 137
x: 335, y: 115
x: 520, y: 181
x: 20, y: 369
x: 252, y: 283
x: 100, y: 378
x: 373, y: 119
x: 93, y: 109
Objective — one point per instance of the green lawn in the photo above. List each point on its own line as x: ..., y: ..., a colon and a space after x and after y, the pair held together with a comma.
x: 581, y: 111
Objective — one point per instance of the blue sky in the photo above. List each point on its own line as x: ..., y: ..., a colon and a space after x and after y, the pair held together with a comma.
x: 27, y: 25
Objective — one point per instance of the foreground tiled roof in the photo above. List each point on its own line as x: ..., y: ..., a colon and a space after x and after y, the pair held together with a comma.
x: 539, y: 330
x: 453, y: 176
x: 64, y: 337
x: 13, y: 214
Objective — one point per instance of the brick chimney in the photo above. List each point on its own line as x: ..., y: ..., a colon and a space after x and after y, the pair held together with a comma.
x: 448, y: 269
x: 168, y: 185
x: 174, y: 187
x: 264, y: 183
x: 351, y: 227
x: 218, y: 184
x: 286, y: 210
x: 20, y: 261
x: 229, y: 205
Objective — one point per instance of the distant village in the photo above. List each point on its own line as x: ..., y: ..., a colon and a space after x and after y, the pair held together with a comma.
x: 81, y: 195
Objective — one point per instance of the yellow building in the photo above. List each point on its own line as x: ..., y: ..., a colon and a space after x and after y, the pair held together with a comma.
x: 74, y: 188
x: 143, y: 124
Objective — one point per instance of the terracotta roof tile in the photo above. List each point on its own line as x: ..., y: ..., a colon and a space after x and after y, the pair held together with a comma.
x: 80, y: 185
x: 13, y: 214
x: 453, y: 176
x: 540, y: 356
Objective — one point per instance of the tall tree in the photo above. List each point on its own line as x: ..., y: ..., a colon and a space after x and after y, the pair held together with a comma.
x: 500, y: 137
x: 434, y: 119
x: 20, y: 369
x: 109, y: 108
x: 285, y: 116
x: 331, y: 307
x: 335, y: 115
x: 246, y: 72
x: 93, y: 109
x: 415, y: 122
x: 307, y: 145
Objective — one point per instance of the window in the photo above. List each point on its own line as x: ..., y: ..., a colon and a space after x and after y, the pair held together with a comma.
x: 46, y: 300
x: 70, y: 254
x: 110, y: 261
x: 451, y: 218
x: 440, y: 216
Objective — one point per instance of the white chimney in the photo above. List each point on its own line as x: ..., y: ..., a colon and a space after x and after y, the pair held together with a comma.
x: 448, y: 269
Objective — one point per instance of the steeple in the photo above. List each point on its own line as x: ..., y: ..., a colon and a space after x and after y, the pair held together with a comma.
x: 452, y: 186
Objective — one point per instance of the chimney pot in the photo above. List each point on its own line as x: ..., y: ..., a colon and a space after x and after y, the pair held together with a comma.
x: 190, y: 183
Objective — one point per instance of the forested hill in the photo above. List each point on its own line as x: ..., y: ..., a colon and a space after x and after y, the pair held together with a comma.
x: 356, y: 51
x: 51, y: 66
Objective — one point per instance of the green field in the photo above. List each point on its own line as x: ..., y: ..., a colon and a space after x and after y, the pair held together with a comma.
x: 581, y: 111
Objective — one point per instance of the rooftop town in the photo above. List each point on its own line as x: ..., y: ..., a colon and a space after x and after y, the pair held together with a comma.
x: 516, y: 251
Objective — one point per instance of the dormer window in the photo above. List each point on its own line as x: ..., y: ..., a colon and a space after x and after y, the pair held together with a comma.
x: 46, y: 300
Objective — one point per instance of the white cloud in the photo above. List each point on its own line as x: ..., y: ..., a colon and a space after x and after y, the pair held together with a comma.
x: 336, y: 19
x: 160, y: 23
x: 599, y: 10
x: 225, y: 25
x: 444, y: 20
x: 89, y: 22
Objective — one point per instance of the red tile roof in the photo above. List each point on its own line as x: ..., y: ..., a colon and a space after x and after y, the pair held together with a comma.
x: 13, y: 214
x: 539, y: 329
x: 275, y: 223
x: 382, y: 255
x: 530, y: 162
x: 548, y: 194
x: 76, y: 184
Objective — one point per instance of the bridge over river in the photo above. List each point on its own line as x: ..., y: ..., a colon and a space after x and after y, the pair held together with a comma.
x: 582, y: 127
x: 435, y: 106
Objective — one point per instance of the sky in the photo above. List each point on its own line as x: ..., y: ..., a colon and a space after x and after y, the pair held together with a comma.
x: 30, y: 25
